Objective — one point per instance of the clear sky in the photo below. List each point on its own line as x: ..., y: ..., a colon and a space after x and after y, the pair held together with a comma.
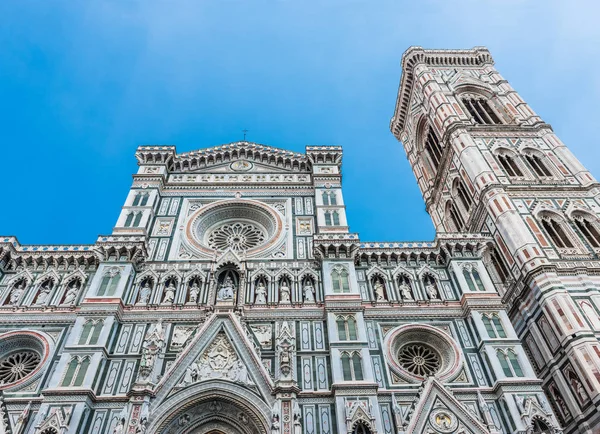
x: 83, y: 83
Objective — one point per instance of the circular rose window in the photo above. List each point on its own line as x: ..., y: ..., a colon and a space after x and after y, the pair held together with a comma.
x: 22, y: 355
x: 418, y: 351
x: 240, y: 225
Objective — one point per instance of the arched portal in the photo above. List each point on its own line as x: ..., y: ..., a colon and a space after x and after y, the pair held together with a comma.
x: 211, y: 407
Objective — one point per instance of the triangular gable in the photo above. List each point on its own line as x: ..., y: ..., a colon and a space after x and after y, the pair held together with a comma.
x: 438, y: 410
x: 222, y: 339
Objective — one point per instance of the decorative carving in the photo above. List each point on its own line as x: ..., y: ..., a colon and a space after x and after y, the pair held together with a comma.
x: 286, y: 345
x: 153, y: 343
x: 284, y: 292
x: 181, y: 335
x: 226, y: 291
x: 71, y: 293
x: 309, y: 292
x: 145, y: 293
x: 16, y: 293
x: 169, y: 292
x: 261, y: 293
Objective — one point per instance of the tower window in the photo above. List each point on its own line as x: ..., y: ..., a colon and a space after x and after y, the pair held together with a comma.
x: 329, y: 198
x: 346, y: 328
x: 332, y: 218
x: 509, y: 164
x: 463, y: 195
x: 589, y: 230
x: 556, y: 232
x: 538, y: 165
x: 455, y: 218
x: 473, y: 278
x: 493, y: 326
x: 481, y: 111
x: 499, y: 266
x: 509, y: 363
x: 433, y: 148
x: 340, y: 282
x: 352, y: 367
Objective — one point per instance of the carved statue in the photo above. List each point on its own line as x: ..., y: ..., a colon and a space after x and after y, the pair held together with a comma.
x: 285, y: 292
x: 297, y: 418
x: 43, y: 295
x: 16, y: 293
x: 406, y: 292
x: 169, y: 293
x: 261, y: 294
x: 309, y: 292
x: 226, y: 290
x: 194, y: 292
x: 145, y: 294
x: 71, y: 294
x: 152, y: 345
x: 120, y: 428
x: 431, y: 290
x: 578, y: 388
x: 379, y: 290
x: 239, y: 373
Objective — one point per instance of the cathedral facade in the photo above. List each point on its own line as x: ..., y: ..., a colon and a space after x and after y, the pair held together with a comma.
x: 231, y: 297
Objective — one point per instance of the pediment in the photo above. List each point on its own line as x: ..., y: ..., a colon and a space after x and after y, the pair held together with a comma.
x: 437, y: 410
x: 219, y: 351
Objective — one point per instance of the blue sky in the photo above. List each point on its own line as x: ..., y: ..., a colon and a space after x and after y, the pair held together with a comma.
x: 83, y: 83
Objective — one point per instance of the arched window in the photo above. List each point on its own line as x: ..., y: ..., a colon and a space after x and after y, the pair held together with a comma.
x: 329, y: 198
x: 339, y: 278
x: 509, y: 363
x: 588, y: 228
x: 90, y: 332
x: 537, y: 164
x: 556, y: 231
x: 591, y: 314
x: 136, y: 199
x: 129, y: 220
x: 473, y: 278
x: 493, y: 326
x: 76, y: 371
x: 361, y: 428
x: 540, y: 427
x: 145, y: 198
x: 108, y: 284
x: 336, y: 218
x: 499, y: 266
x: 509, y: 164
x: 352, y: 366
x: 85, y: 332
x: 481, y: 111
x: 433, y: 148
x: 455, y: 219
x: 461, y: 192
x: 138, y: 219
x: 346, y: 328
x: 357, y: 367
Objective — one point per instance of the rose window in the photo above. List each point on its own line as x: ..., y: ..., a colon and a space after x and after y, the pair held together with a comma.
x: 419, y: 359
x: 16, y: 366
x: 238, y: 236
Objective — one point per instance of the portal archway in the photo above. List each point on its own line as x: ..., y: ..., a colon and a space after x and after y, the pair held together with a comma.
x: 211, y: 407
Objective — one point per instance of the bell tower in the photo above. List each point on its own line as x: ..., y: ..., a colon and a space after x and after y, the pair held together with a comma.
x: 486, y: 163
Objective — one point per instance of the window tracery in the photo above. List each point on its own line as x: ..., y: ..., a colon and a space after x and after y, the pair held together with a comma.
x: 588, y: 227
x: 480, y: 110
x: 509, y: 363
x: 332, y: 218
x: 17, y: 365
x: 555, y: 228
x: 329, y: 197
x: 473, y: 278
x: 352, y: 366
x: 340, y: 279
x: 509, y: 164
x: 433, y: 148
x: 76, y: 370
x: 493, y: 325
x: 419, y: 359
x: 346, y: 326
x: 537, y: 163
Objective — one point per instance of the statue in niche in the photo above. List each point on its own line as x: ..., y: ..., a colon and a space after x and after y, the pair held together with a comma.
x: 152, y: 345
x: 285, y: 293
x: 431, y: 288
x: 379, y: 290
x: 194, y: 292
x: 405, y: 291
x: 226, y: 290
x: 309, y: 292
x: 71, y: 294
x: 145, y: 292
x: 16, y: 293
x: 297, y: 417
x: 261, y: 294
x: 43, y: 295
x: 169, y: 293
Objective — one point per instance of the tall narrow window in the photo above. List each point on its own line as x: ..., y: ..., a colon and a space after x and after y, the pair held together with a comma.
x: 463, y: 195
x: 129, y: 220
x: 433, y: 148
x: 85, y: 332
x: 456, y: 219
x: 112, y: 287
x: 493, y: 326
x: 96, y: 333
x: 481, y: 111
x: 136, y: 199
x: 351, y: 328
x: 537, y: 164
x: 340, y: 281
x: 346, y: 367
x: 509, y: 164
x: 504, y: 363
x: 498, y: 326
x: 488, y: 326
x: 556, y: 232
x: 104, y: 284
x: 357, y: 367
x: 341, y: 325
x: 477, y: 279
x: 145, y: 197
x: 336, y: 218
x: 499, y: 266
x: 469, y: 279
x: 138, y: 219
x: 327, y: 218
x: 514, y: 363
x: 83, y: 367
x: 589, y: 230
x: 71, y: 370
x: 329, y: 198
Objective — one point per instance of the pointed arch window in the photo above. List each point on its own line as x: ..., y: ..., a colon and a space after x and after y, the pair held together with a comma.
x: 136, y: 199
x: 340, y: 280
x: 332, y: 218
x: 463, y: 195
x: 537, y: 164
x: 90, y: 332
x: 455, y: 218
x: 481, y: 111
x: 145, y: 198
x: 76, y: 371
x: 137, y: 220
x: 509, y: 363
x: 329, y: 197
x: 499, y: 266
x: 556, y: 231
x: 493, y: 326
x: 509, y: 164
x: 346, y: 328
x: 589, y: 229
x: 473, y: 278
x: 108, y: 284
x: 352, y: 366
x: 129, y: 220
x: 433, y: 148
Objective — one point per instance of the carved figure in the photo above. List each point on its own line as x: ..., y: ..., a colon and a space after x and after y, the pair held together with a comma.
x: 285, y: 292
x: 169, y: 293
x: 297, y: 417
x: 152, y: 345
x: 379, y: 290
x: 309, y: 292
x: 261, y: 294
x: 406, y: 292
x: 431, y: 291
x: 16, y: 293
x: 71, y: 294
x: 145, y: 294
x: 43, y: 295
x: 194, y: 291
x: 226, y: 290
